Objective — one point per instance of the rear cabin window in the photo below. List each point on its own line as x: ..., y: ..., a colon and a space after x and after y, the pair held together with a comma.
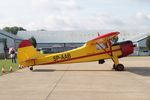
x: 101, y: 46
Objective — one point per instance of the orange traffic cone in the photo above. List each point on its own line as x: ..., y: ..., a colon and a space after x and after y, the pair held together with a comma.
x: 11, y: 69
x: 23, y: 66
x: 3, y: 70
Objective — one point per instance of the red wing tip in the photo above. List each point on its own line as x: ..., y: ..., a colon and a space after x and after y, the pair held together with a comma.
x: 25, y: 43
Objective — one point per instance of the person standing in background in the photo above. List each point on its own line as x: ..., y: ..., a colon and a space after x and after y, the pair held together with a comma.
x: 6, y: 52
x: 12, y: 53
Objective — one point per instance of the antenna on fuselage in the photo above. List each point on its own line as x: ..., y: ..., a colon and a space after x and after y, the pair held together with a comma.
x: 98, y: 34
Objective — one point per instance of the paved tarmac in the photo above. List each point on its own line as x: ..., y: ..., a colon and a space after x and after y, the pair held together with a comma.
x: 82, y: 81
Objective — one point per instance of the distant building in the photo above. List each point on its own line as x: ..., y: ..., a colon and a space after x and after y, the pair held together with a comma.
x: 58, y: 41
x: 140, y: 41
x: 9, y: 40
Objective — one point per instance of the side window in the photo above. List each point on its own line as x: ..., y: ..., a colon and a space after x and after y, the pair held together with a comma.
x: 98, y: 47
x: 101, y: 46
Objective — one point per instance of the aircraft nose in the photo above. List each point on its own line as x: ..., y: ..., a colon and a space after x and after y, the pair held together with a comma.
x: 127, y: 48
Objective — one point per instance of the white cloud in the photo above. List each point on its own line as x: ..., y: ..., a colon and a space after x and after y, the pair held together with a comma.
x: 56, y: 5
x: 53, y: 22
x: 75, y: 14
x: 141, y: 1
x: 143, y: 16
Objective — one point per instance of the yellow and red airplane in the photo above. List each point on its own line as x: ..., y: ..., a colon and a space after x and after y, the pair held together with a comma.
x: 96, y: 49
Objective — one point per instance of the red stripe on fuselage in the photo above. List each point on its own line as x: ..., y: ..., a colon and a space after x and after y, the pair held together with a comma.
x: 81, y: 57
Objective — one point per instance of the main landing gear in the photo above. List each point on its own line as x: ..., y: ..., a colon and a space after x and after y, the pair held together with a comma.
x: 118, y: 67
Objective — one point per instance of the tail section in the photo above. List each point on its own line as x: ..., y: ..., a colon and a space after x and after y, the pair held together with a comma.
x: 26, y: 53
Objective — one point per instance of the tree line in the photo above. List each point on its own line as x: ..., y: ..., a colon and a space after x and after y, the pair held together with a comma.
x: 14, y: 30
x: 148, y: 44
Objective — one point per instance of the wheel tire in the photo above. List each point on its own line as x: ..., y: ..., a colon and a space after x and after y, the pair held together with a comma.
x: 31, y: 68
x: 101, y: 61
x: 119, y: 67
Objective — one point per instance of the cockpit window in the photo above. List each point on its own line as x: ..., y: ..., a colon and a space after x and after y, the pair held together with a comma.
x: 101, y: 46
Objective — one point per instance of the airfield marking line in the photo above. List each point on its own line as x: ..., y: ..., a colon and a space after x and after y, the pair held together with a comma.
x: 57, y: 82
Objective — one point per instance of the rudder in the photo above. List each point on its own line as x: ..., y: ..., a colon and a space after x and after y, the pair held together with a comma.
x: 26, y: 52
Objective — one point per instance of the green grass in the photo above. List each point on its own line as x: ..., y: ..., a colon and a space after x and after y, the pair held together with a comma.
x: 7, y: 63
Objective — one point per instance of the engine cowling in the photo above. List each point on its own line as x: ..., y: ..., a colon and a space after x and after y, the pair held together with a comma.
x: 126, y: 47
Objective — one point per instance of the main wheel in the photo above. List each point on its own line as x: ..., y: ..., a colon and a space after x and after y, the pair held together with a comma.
x: 119, y: 67
x: 31, y: 68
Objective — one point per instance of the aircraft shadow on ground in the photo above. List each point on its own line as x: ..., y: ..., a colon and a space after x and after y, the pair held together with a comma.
x: 143, y: 71
x: 44, y: 70
x: 73, y: 70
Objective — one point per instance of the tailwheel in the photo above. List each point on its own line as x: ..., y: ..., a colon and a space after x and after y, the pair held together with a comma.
x: 119, y: 67
x: 31, y: 68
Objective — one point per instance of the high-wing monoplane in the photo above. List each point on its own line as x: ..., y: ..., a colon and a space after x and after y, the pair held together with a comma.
x: 97, y: 49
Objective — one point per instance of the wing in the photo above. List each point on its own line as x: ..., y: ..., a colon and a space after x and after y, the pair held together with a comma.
x: 103, y: 38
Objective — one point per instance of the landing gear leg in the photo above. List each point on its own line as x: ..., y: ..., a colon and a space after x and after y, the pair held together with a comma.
x: 114, y: 66
x: 117, y: 66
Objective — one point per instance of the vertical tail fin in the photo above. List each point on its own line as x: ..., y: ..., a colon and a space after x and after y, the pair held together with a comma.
x: 26, y: 53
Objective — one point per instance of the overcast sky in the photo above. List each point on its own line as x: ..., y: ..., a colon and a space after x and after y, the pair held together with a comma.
x: 76, y: 14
